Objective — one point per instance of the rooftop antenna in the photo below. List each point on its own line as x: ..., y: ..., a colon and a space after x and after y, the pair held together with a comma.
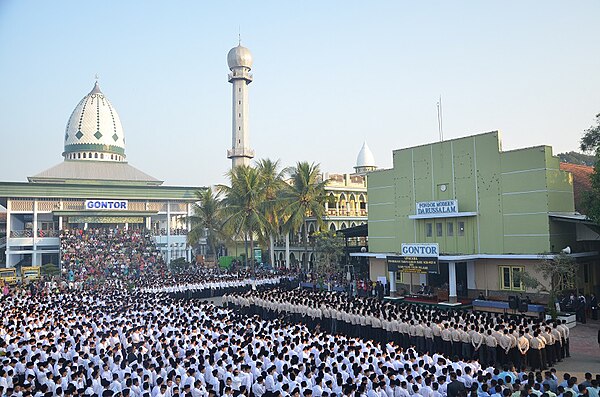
x: 440, y: 117
x: 96, y: 77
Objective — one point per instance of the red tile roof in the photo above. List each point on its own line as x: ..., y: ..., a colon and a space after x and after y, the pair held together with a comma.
x: 581, y: 180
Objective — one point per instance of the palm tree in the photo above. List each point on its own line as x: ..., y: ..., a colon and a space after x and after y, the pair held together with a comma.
x: 304, y: 198
x: 243, y: 204
x: 272, y: 181
x: 207, y: 219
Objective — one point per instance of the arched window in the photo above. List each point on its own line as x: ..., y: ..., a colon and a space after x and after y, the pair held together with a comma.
x: 332, y: 227
x: 331, y: 200
x: 362, y: 202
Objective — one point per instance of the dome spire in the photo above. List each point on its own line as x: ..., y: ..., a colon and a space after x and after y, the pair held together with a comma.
x: 96, y: 89
x: 365, y: 161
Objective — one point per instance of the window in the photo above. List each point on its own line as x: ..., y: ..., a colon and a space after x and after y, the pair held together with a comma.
x: 428, y: 230
x: 461, y: 228
x: 450, y: 229
x: 439, y: 229
x: 516, y: 278
x: 510, y: 278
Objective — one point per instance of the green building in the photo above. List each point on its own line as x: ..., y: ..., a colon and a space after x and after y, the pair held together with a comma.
x: 489, y: 213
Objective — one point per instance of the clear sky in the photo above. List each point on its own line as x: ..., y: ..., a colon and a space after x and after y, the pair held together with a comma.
x: 327, y: 76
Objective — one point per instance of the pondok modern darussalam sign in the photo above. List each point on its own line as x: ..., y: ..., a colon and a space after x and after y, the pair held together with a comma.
x: 437, y: 207
x: 416, y: 258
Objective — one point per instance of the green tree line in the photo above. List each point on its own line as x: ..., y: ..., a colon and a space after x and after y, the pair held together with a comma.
x: 258, y: 204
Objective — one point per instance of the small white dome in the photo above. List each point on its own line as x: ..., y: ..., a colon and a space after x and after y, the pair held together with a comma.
x: 365, y: 157
x: 239, y: 56
x: 94, y: 126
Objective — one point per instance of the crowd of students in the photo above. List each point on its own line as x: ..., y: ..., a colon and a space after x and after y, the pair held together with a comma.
x: 114, y: 341
x: 146, y: 332
x: 493, y: 339
x: 209, y: 283
x: 105, y: 253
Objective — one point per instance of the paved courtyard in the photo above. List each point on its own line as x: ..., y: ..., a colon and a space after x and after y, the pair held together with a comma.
x: 585, y: 352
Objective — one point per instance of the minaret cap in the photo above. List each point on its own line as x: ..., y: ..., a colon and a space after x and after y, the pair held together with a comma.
x: 239, y: 57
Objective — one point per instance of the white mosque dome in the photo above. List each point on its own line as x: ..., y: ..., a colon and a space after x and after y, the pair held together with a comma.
x: 365, y: 157
x: 239, y: 56
x: 94, y: 130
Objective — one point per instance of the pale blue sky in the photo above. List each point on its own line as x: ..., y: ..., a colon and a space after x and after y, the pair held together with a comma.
x: 327, y: 75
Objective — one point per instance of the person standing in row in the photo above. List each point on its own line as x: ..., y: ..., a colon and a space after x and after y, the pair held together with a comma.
x: 523, y: 346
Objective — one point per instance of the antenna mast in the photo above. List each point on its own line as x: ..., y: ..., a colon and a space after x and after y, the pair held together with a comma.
x: 440, y: 119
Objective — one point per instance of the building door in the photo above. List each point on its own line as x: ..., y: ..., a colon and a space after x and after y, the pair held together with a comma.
x: 461, y: 280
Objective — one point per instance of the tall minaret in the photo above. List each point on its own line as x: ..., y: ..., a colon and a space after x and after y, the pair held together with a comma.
x: 239, y: 61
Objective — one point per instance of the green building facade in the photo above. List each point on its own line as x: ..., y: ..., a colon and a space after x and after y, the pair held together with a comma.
x: 492, y: 213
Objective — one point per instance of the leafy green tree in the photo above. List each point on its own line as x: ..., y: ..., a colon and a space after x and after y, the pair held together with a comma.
x: 559, y: 275
x: 591, y: 143
x: 329, y: 247
x: 577, y: 158
x: 49, y: 269
x: 243, y: 205
x: 304, y: 197
x: 273, y: 184
x: 207, y: 220
x: 178, y: 265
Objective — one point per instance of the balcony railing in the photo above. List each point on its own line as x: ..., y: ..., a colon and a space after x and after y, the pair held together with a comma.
x: 240, y: 152
x: 29, y: 233
x: 344, y: 212
x: 174, y: 232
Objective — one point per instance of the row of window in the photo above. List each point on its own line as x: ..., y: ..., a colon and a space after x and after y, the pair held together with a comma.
x: 439, y: 229
x: 74, y: 156
x: 509, y: 277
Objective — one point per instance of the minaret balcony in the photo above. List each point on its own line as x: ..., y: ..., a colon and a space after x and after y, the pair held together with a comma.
x: 237, y: 75
x: 240, y: 152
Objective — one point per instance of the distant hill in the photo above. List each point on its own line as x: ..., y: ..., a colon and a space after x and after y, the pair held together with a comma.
x: 577, y: 158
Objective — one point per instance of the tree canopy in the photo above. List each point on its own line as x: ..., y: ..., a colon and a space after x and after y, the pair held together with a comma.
x: 207, y: 219
x: 590, y: 142
x: 329, y: 247
x: 577, y: 158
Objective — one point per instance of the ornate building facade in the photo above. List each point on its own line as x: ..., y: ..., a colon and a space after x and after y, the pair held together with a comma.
x: 346, y: 206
